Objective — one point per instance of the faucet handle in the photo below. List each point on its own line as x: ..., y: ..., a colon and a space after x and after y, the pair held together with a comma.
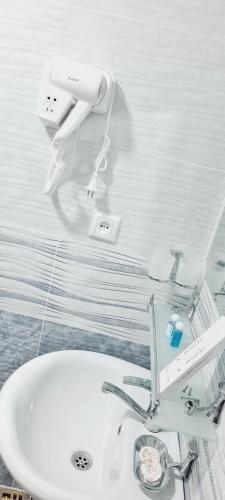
x: 185, y: 468
x: 215, y: 410
x: 221, y: 386
x: 138, y: 382
x: 187, y: 465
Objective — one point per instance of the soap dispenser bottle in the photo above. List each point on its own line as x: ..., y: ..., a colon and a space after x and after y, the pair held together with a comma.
x: 171, y: 324
x: 177, y: 334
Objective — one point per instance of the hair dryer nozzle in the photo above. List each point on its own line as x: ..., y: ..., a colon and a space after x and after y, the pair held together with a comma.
x: 74, y: 119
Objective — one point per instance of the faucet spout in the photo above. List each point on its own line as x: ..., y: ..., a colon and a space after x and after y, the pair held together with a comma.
x: 144, y: 414
x: 107, y: 387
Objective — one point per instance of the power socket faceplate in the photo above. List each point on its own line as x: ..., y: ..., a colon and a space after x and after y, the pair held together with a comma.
x: 53, y: 105
x: 104, y: 227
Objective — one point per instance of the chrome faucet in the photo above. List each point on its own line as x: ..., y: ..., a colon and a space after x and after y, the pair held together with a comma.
x: 216, y: 407
x: 177, y: 254
x: 146, y: 415
x: 213, y: 411
x: 138, y: 382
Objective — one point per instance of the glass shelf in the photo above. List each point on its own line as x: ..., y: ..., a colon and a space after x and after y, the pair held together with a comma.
x: 170, y: 414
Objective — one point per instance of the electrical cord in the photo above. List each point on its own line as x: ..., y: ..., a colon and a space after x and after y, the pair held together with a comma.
x: 57, y: 167
x: 100, y: 165
x: 101, y: 159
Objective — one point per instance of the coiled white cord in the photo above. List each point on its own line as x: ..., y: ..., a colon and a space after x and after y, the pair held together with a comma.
x: 56, y: 168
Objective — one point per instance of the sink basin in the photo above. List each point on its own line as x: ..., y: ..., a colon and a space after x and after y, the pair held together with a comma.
x: 62, y: 438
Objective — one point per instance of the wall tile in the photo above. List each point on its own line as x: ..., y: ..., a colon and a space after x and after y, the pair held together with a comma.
x: 198, y: 17
x: 19, y: 337
x: 34, y: 32
x: 168, y: 102
x: 99, y: 292
x: 114, y: 7
x: 26, y: 268
x: 87, y: 286
x: 170, y: 90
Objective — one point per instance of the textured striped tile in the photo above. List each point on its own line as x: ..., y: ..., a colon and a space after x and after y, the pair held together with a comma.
x: 26, y: 267
x: 33, y: 32
x: 170, y: 92
x: 201, y: 18
x: 99, y: 290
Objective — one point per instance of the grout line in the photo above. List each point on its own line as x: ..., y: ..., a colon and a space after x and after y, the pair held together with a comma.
x: 161, y: 157
x: 97, y: 24
x: 47, y: 296
x: 160, y: 26
x: 168, y: 158
x: 56, y: 250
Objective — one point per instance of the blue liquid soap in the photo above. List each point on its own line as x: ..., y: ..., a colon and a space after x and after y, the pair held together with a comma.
x: 177, y: 334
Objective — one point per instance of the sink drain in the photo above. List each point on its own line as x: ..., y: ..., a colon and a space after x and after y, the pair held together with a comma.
x: 81, y: 460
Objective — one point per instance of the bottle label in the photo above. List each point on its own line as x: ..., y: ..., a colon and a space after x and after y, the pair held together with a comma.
x: 169, y: 330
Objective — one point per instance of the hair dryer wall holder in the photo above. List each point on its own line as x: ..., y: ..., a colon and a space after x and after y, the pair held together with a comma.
x: 59, y: 95
x: 69, y: 92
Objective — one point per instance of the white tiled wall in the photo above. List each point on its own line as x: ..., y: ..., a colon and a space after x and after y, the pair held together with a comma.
x: 198, y: 17
x: 166, y: 174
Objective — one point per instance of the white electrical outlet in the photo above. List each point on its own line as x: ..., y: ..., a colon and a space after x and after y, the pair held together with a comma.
x: 53, y: 104
x: 104, y: 227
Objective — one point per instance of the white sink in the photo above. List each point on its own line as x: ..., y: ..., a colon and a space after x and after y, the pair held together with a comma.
x: 53, y: 406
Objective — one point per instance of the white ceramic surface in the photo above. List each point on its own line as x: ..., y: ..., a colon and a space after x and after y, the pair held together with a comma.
x: 52, y: 407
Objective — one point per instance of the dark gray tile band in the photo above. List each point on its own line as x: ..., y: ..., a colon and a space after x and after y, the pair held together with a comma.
x: 5, y: 477
x: 19, y: 338
x: 57, y: 337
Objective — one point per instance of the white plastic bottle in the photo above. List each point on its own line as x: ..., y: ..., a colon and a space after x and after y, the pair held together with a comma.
x: 171, y: 324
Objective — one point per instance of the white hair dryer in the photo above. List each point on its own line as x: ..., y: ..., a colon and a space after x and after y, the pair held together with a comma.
x: 69, y: 91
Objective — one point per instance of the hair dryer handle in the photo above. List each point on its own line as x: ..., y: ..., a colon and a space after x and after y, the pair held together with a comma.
x: 74, y: 119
